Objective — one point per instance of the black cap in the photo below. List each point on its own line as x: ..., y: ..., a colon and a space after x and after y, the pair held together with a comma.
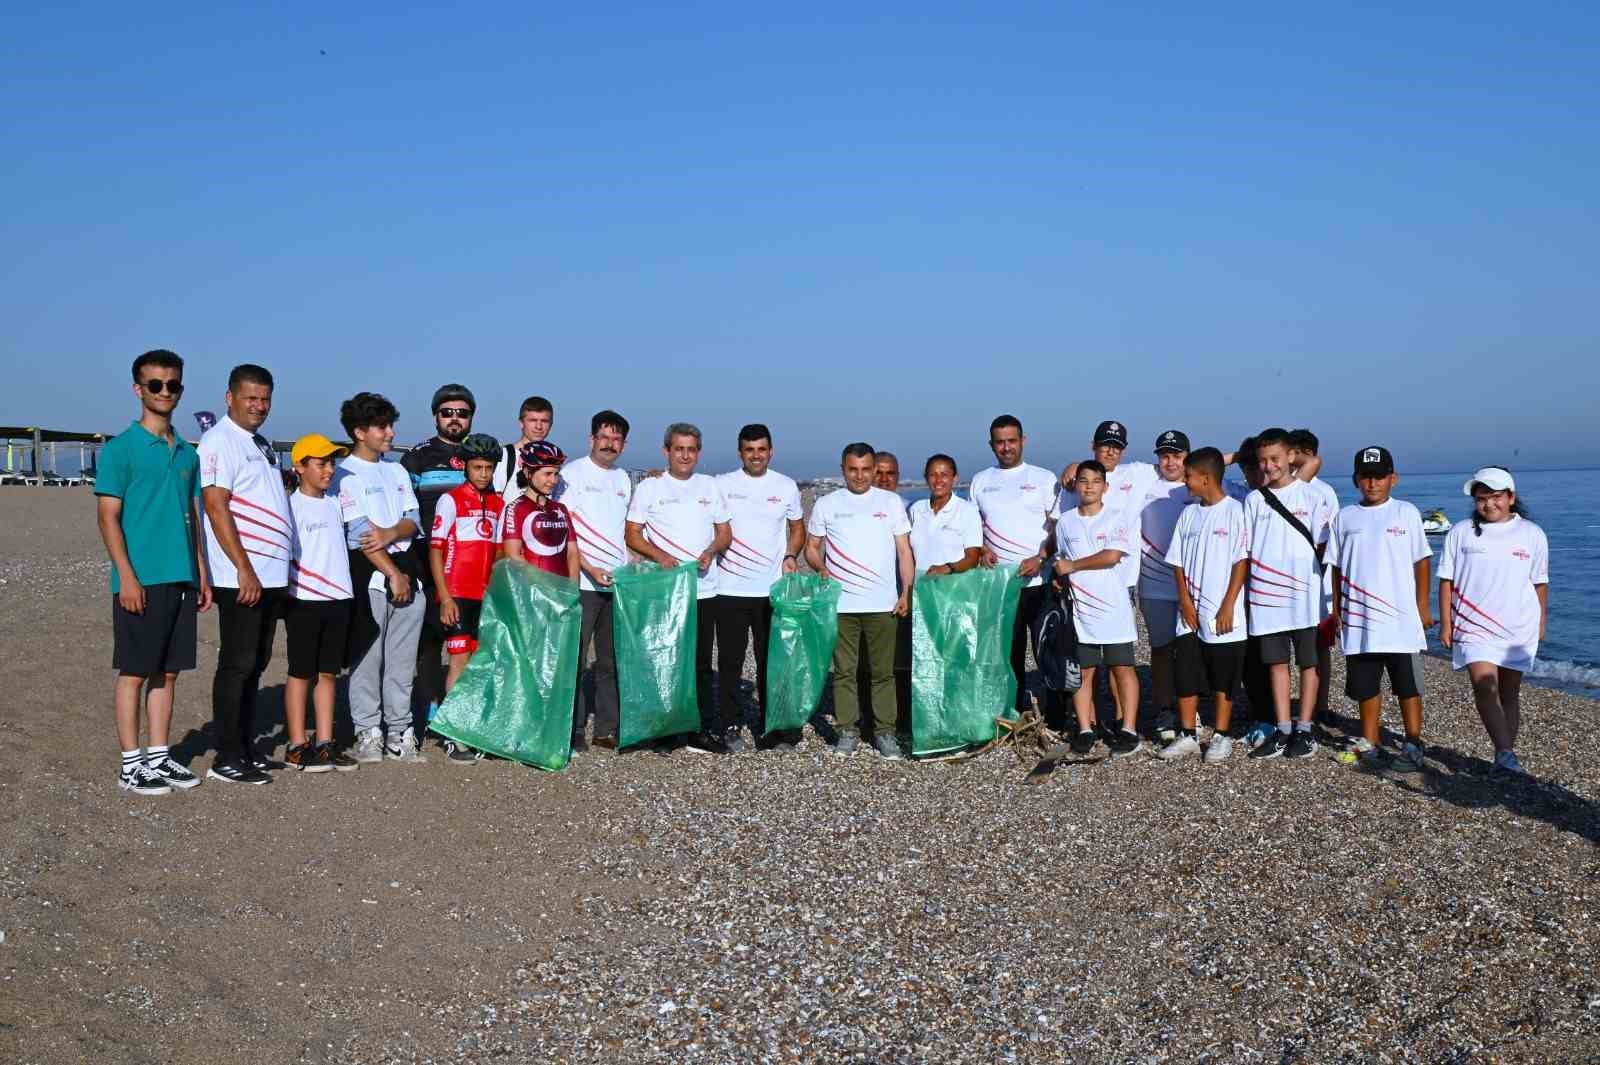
x: 1374, y: 462
x: 1111, y: 433
x: 1172, y: 440
x: 453, y: 391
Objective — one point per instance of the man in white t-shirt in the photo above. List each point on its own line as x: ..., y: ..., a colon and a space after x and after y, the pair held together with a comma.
x: 1380, y: 560
x: 678, y: 518
x: 860, y: 537
x: 249, y: 534
x: 596, y: 493
x: 767, y: 536
x: 535, y: 419
x: 1015, y: 501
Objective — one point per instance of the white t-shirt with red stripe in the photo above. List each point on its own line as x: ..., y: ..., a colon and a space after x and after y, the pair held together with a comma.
x: 760, y: 509
x: 245, y: 464
x: 1285, y: 591
x: 1208, y: 542
x: 597, y: 499
x: 1102, y: 612
x: 1164, y: 504
x: 1015, y: 506
x: 1375, y: 550
x: 680, y: 517
x: 1494, y: 606
x: 858, y: 546
x: 1129, y: 488
x: 320, y: 570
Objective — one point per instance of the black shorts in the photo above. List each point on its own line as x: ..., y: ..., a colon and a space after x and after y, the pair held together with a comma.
x: 318, y: 631
x: 1200, y: 668
x: 160, y: 640
x: 462, y: 637
x: 1363, y: 675
x: 1275, y: 647
x: 1091, y: 655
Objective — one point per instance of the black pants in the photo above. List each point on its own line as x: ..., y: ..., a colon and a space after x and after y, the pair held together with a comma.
x: 602, y: 676
x: 1030, y: 604
x: 705, y: 635
x: 245, y: 649
x: 428, y: 691
x: 1258, y: 682
x: 738, y: 618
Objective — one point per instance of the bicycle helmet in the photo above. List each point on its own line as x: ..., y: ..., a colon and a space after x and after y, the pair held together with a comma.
x: 541, y: 453
x: 480, y: 446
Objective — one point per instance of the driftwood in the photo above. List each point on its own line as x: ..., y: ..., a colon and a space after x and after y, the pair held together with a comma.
x: 1027, y: 735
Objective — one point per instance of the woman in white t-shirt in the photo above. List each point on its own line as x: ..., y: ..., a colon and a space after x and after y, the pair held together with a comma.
x: 946, y: 532
x: 1493, y: 582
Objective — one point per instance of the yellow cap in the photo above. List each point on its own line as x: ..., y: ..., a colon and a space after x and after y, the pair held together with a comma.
x: 316, y: 446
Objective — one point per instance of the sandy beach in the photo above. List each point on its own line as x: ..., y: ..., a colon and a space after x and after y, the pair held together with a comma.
x: 642, y: 908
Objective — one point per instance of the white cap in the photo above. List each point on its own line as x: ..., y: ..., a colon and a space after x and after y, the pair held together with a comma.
x: 1493, y: 478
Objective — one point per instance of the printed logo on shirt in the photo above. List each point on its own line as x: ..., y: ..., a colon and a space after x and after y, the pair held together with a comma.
x: 486, y: 528
x: 880, y: 515
x: 703, y: 501
x: 1395, y: 530
x: 438, y: 522
x: 774, y: 500
x: 1521, y: 555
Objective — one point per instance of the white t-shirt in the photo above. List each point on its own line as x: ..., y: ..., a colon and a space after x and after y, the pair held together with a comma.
x: 680, y: 517
x: 760, y: 509
x: 1164, y: 503
x: 245, y: 464
x: 1101, y: 610
x: 1014, y: 506
x: 321, y: 567
x: 858, y: 546
x: 1285, y: 583
x: 1208, y: 542
x: 597, y: 499
x: 1331, y: 498
x: 1493, y: 599
x: 379, y: 492
x: 941, y: 538
x: 1375, y: 550
x: 1128, y: 489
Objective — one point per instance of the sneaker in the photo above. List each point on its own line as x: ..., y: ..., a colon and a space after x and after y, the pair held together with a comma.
x: 1271, y: 747
x: 1301, y: 745
x: 340, y: 761
x: 1181, y: 747
x: 847, y: 743
x: 889, y: 749
x: 174, y: 774
x: 1124, y: 742
x: 733, y: 740
x: 456, y: 754
x: 1410, y: 758
x: 262, y: 764
x: 1506, y: 763
x: 404, y: 748
x: 237, y: 773
x: 1167, y: 726
x: 704, y: 743
x: 140, y: 779
x: 1258, y: 733
x: 1083, y: 742
x: 1219, y: 750
x: 302, y: 757
x: 369, y: 746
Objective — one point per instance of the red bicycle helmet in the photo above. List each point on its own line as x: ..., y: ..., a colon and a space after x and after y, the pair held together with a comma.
x: 541, y: 453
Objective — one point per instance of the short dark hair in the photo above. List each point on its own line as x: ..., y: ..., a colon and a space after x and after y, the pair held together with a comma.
x: 1303, y: 440
x: 1093, y: 466
x: 160, y: 358
x: 1246, y: 455
x: 1268, y: 437
x: 364, y: 410
x: 1207, y: 460
x: 927, y: 467
x: 608, y: 418
x: 248, y: 373
x: 857, y: 450
x: 753, y: 432
x: 1005, y: 421
x: 535, y: 403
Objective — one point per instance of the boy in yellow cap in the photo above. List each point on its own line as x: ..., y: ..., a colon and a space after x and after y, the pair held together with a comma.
x: 320, y: 605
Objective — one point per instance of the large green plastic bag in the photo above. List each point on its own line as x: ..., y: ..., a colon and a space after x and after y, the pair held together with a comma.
x: 654, y: 625
x: 515, y: 697
x: 961, y: 677
x: 805, y: 625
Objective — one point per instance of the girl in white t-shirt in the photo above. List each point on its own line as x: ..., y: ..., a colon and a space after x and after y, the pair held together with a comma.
x: 1493, y: 600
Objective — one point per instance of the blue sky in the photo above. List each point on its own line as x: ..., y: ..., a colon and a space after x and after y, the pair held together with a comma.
x: 888, y: 224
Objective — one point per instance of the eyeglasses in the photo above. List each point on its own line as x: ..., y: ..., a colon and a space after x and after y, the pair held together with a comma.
x: 455, y: 412
x: 155, y: 385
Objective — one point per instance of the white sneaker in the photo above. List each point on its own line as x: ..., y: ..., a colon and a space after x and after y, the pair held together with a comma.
x: 140, y: 779
x: 1220, y: 748
x: 1181, y: 747
x: 404, y: 748
x: 369, y: 746
x: 1166, y: 726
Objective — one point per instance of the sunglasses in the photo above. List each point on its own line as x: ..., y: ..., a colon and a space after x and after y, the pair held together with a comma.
x: 156, y: 385
x: 455, y: 412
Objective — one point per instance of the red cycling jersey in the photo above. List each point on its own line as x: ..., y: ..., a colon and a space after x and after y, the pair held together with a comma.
x: 466, y: 527
x: 543, y: 530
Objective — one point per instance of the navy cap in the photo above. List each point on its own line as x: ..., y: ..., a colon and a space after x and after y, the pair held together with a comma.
x: 1172, y: 440
x: 1114, y: 433
x: 1374, y: 462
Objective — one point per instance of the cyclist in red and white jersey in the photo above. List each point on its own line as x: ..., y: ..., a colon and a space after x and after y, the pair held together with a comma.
x: 537, y: 529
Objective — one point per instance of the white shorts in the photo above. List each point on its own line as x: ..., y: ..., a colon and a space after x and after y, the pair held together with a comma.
x: 1160, y: 620
x: 1506, y: 656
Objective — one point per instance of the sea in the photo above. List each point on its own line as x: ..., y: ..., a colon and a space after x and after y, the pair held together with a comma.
x: 1566, y: 504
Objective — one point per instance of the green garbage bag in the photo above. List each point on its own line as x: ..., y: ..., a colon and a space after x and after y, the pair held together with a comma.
x: 961, y: 677
x: 515, y: 697
x: 805, y: 625
x: 654, y: 619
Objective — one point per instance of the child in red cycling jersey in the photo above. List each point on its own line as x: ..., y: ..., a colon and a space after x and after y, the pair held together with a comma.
x: 464, y: 545
x: 537, y: 529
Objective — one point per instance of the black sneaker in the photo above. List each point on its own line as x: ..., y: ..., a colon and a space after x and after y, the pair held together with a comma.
x: 1300, y: 745
x: 340, y: 761
x: 140, y: 779
x: 705, y: 743
x: 1272, y: 747
x: 456, y: 754
x: 1123, y: 743
x: 175, y: 775
x: 263, y: 764
x: 1084, y: 741
x: 237, y: 773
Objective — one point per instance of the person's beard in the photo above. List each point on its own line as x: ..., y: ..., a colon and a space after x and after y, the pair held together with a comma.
x: 445, y: 434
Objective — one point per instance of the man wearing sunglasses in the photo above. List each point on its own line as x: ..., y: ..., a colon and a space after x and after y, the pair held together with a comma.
x: 436, y: 466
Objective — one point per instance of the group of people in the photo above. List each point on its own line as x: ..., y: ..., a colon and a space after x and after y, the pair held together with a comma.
x: 381, y: 567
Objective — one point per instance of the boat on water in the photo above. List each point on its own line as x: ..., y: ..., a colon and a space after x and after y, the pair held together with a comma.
x: 1434, y: 523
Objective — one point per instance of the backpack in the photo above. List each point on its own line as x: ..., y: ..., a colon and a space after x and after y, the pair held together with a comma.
x: 1055, y: 644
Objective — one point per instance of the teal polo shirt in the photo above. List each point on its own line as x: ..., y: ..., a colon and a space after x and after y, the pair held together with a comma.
x: 158, y: 486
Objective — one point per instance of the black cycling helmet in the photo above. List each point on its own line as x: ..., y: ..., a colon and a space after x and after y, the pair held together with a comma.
x: 480, y: 446
x: 541, y: 453
x: 449, y: 392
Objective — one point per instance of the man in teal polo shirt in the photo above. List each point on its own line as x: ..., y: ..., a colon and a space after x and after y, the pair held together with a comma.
x: 148, y: 484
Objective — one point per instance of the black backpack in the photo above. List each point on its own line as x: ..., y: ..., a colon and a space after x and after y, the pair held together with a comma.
x: 1055, y: 643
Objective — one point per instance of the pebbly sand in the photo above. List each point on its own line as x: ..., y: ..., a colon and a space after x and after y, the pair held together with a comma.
x: 641, y: 908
